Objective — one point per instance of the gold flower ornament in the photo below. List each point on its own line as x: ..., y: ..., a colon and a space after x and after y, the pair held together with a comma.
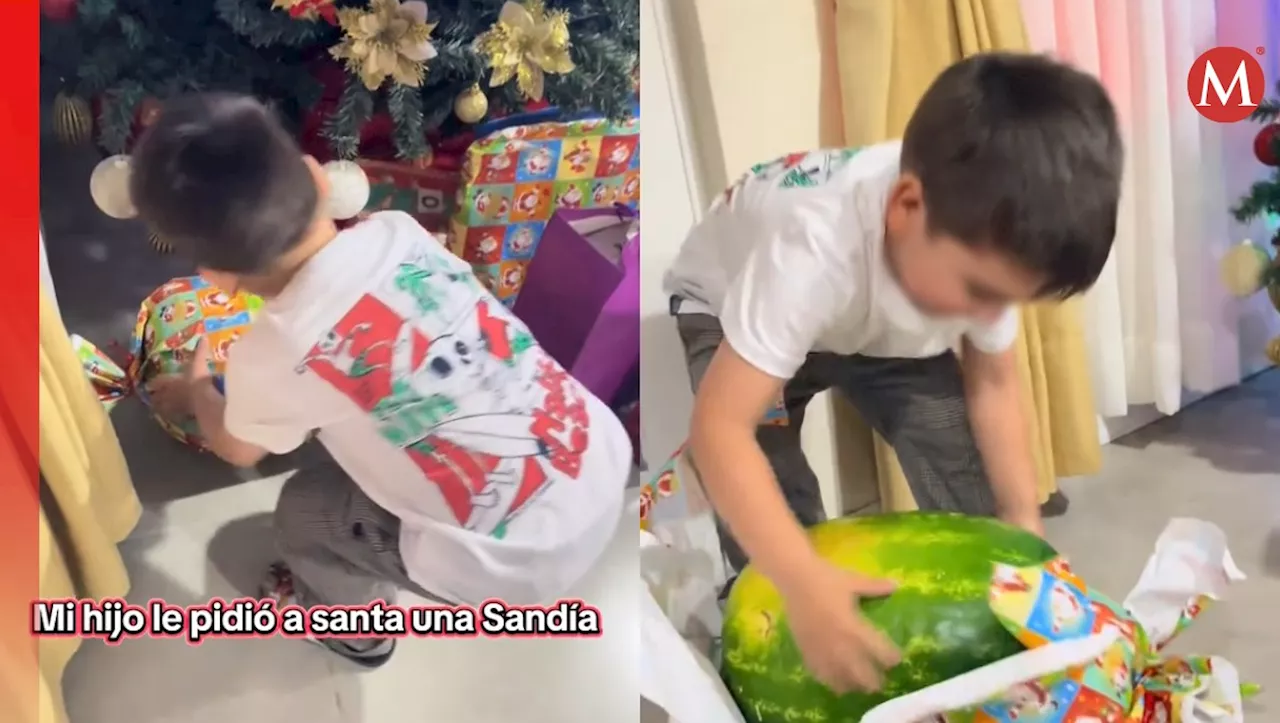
x: 389, y: 39
x: 526, y: 43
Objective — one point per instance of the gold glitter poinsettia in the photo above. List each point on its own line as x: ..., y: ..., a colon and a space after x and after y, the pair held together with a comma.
x: 526, y: 43
x: 390, y: 39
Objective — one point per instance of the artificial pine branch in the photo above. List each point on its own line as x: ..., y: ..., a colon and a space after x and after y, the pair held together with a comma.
x: 264, y: 26
x: 405, y: 106
x: 116, y: 114
x: 1266, y: 112
x: 113, y: 48
x: 342, y: 127
x: 1263, y: 197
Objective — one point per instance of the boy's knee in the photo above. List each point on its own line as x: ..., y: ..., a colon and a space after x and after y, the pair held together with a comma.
x: 308, y: 500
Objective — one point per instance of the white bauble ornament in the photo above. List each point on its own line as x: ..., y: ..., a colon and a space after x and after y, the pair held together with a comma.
x: 348, y: 189
x: 109, y: 187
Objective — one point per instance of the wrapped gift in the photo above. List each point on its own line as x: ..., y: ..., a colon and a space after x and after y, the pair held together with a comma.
x: 427, y: 194
x: 581, y: 296
x: 515, y: 179
x: 170, y: 324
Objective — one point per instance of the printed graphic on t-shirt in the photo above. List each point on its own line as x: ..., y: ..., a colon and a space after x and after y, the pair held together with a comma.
x: 797, y: 170
x: 455, y: 381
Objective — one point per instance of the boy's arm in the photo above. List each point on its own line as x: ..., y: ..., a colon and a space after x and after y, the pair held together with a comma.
x: 209, y: 407
x: 732, y: 399
x: 996, y: 412
x: 787, y: 293
x: 245, y: 424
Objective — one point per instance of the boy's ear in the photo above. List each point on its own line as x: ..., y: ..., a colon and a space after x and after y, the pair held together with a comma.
x: 908, y: 193
x: 320, y: 176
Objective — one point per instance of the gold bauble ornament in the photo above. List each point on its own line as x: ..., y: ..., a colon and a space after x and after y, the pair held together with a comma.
x: 1243, y: 268
x: 72, y: 119
x: 472, y: 105
x: 1273, y: 351
x: 109, y: 187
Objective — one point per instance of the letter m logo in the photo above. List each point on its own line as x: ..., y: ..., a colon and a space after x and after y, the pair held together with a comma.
x: 1226, y: 84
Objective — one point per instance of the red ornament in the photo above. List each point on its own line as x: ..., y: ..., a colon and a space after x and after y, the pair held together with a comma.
x: 148, y: 112
x: 313, y: 9
x: 59, y: 10
x: 1265, y: 144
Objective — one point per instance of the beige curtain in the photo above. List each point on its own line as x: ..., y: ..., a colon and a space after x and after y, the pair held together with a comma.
x: 96, y: 505
x: 887, y: 52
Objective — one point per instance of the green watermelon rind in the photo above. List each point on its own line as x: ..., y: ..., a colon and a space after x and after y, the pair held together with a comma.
x: 938, y: 559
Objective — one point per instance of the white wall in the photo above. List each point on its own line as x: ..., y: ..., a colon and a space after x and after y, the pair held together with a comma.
x: 706, y: 121
x: 670, y: 203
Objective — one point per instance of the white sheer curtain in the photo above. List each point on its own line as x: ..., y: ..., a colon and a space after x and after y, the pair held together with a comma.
x: 1156, y: 316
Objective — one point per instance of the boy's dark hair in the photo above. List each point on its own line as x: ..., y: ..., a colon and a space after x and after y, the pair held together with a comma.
x: 218, y: 178
x: 1023, y: 155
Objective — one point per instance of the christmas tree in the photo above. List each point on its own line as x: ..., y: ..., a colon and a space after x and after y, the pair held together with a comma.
x: 1248, y: 268
x: 1263, y: 198
x: 434, y: 68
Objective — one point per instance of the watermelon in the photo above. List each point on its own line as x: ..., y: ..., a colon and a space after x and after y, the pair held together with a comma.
x: 938, y: 617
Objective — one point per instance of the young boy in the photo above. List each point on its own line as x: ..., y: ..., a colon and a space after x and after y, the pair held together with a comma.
x: 859, y: 270
x: 467, y: 464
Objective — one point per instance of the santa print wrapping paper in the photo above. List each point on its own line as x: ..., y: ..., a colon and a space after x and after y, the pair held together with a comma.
x: 171, y: 322
x: 516, y: 178
x: 1090, y: 659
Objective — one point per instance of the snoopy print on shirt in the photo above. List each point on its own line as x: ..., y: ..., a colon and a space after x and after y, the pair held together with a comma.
x: 456, y: 382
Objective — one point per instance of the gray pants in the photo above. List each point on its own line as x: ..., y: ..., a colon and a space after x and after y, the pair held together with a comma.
x: 342, y: 548
x: 917, y: 405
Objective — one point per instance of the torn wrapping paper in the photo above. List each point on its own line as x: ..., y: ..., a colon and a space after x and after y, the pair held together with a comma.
x: 665, y: 484
x: 676, y: 674
x: 1091, y: 660
x: 171, y: 322
x: 108, y: 380
x: 682, y: 569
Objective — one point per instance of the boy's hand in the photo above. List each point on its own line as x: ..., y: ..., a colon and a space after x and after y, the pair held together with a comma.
x: 171, y: 396
x: 199, y: 367
x: 840, y: 647
x: 171, y: 393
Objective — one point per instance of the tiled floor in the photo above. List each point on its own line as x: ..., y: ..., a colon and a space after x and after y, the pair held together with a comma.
x: 204, y: 534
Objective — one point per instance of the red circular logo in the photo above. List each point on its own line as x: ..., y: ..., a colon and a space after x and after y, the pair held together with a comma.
x: 1226, y: 84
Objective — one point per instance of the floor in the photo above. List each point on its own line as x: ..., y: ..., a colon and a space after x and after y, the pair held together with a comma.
x: 205, y: 533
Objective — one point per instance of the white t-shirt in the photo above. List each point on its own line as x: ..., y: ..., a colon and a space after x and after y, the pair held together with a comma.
x: 506, y: 474
x: 791, y: 259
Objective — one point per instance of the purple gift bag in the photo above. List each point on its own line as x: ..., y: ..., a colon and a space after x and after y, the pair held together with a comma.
x: 581, y: 296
